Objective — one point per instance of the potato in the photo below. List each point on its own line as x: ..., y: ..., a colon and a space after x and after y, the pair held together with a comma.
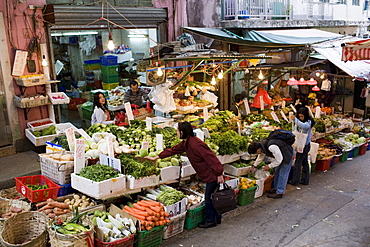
x: 91, y: 204
x: 76, y: 197
x: 83, y: 197
x: 67, y: 200
x: 72, y: 202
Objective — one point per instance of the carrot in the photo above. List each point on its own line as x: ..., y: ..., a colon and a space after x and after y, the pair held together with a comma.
x: 48, y: 211
x: 161, y: 218
x: 151, y: 218
x: 156, y: 223
x: 167, y: 221
x: 148, y: 228
x: 154, y: 203
x: 59, y: 205
x: 44, y: 208
x: 155, y: 209
x: 162, y: 222
x: 59, y: 213
x: 55, y: 210
x: 40, y: 204
x: 143, y: 203
x: 165, y: 214
x: 51, y: 215
x: 140, y: 217
x: 144, y: 213
x: 150, y: 212
x: 137, y: 206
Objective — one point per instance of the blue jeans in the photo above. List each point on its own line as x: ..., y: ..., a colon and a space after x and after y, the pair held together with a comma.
x: 74, y: 94
x: 302, y: 162
x: 211, y: 213
x: 281, y: 173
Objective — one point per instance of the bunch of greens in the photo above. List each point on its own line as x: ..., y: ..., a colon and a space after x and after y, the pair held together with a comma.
x: 222, y: 121
x: 98, y: 173
x: 240, y: 164
x: 320, y: 125
x: 98, y: 127
x: 229, y: 142
x: 253, y: 117
x: 169, y: 195
x: 136, y: 168
x: 282, y: 124
x: 257, y: 134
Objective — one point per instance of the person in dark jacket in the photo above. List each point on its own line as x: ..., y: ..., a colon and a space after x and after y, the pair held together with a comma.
x: 282, y: 155
x: 208, y: 167
x: 65, y: 85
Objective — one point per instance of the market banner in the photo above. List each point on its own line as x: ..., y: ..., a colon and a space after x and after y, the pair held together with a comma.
x: 357, y: 50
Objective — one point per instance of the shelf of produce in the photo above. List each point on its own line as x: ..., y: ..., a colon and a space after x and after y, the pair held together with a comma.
x: 40, y: 124
x: 58, y: 98
x: 40, y: 141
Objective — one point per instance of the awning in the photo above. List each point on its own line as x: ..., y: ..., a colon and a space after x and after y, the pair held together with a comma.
x: 356, y: 50
x: 333, y: 52
x: 88, y: 17
x: 268, y: 39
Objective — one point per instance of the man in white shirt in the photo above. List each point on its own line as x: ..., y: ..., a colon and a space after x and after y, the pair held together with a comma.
x: 282, y: 158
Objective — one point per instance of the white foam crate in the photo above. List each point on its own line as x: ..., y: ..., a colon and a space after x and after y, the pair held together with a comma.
x: 170, y: 173
x: 99, y: 190
x: 232, y: 170
x: 187, y: 170
x: 137, y: 183
x: 64, y: 100
x: 177, y: 208
x: 225, y: 159
x: 40, y: 141
x: 35, y: 128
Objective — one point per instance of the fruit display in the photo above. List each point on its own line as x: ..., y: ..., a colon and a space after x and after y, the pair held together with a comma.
x: 245, y: 183
x: 51, y: 130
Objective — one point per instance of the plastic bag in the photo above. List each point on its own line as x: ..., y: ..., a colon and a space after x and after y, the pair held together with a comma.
x: 261, y: 174
x: 266, y: 98
x: 313, y: 151
x: 162, y: 97
x: 211, y: 97
x: 300, y: 141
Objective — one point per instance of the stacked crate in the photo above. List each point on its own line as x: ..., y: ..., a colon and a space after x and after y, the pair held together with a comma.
x: 109, y: 70
x: 90, y: 67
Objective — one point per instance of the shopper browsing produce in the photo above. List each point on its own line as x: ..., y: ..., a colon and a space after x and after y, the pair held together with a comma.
x: 135, y: 95
x: 304, y: 124
x: 282, y: 154
x: 101, y: 113
x: 205, y: 163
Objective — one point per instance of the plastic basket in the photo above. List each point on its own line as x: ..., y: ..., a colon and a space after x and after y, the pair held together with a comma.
x: 350, y: 154
x: 246, y: 196
x: 124, y: 242
x: 194, y: 217
x: 65, y: 189
x: 94, y: 66
x: 176, y: 226
x: 57, y: 171
x: 109, y: 86
x: 92, y: 61
x: 109, y: 70
x: 268, y: 183
x: 36, y: 195
x: 344, y: 156
x: 313, y: 167
x: 87, y: 111
x: 110, y: 78
x: 109, y: 60
x: 74, y: 102
x: 355, y: 151
x: 152, y: 238
x: 363, y: 149
x: 323, y: 165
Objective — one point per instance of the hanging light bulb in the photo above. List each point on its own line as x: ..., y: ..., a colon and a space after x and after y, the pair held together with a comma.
x: 302, y: 81
x: 220, y: 75
x: 246, y: 71
x: 317, y: 74
x: 159, y: 72
x: 316, y: 88
x: 213, y: 81
x: 265, y: 82
x: 311, y: 82
x: 44, y: 62
x: 292, y: 81
x: 322, y: 76
x: 111, y: 45
x: 260, y: 76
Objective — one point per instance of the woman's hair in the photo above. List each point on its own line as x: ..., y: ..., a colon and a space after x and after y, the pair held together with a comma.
x: 97, y: 102
x: 185, y: 129
x: 253, y: 147
x: 304, y: 111
x: 238, y: 97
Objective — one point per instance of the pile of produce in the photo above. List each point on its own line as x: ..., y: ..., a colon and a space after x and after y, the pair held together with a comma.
x: 229, y: 142
x: 51, y: 130
x: 137, y: 169
x: 253, y: 117
x: 240, y: 164
x: 114, y: 228
x: 165, y: 194
x: 246, y: 183
x: 72, y: 226
x: 150, y: 213
x: 98, y: 173
x: 53, y: 208
x: 12, y: 211
x: 325, y: 153
x: 222, y: 121
x: 194, y: 200
x: 59, y: 157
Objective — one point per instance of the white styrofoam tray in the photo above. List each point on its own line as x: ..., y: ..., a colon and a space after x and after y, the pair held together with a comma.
x: 40, y: 141
x: 99, y: 190
x: 232, y: 170
x: 170, y: 173
x: 65, y: 100
x: 137, y: 183
x: 29, y: 124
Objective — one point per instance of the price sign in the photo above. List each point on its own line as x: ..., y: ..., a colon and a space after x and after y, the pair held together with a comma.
x: 291, y: 114
x: 70, y: 133
x: 84, y: 134
x: 247, y: 109
x: 19, y: 62
x: 110, y: 147
x: 206, y: 133
x: 205, y: 114
x: 284, y: 116
x: 159, y: 138
x: 110, y: 161
x: 310, y: 111
x: 273, y: 114
x: 293, y: 108
x: 262, y: 104
x: 79, y: 159
x: 145, y: 145
x: 283, y: 104
x: 128, y: 109
x: 148, y: 122
x: 318, y: 112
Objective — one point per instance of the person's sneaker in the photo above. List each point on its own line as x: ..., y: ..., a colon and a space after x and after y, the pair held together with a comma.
x: 272, y: 191
x: 207, y: 225
x: 218, y: 221
x: 275, y: 196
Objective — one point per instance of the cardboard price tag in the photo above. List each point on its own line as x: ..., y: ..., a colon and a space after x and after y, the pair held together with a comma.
x: 318, y: 112
x: 148, y: 122
x: 284, y: 116
x: 71, y: 138
x: 109, y: 161
x: 159, y: 138
x: 130, y: 115
x: 310, y: 111
x: 84, y: 134
x: 247, y: 109
x: 79, y: 159
x: 273, y: 114
x: 205, y: 114
x: 295, y: 110
x: 145, y: 145
x: 283, y: 104
x: 239, y: 128
x: 110, y: 147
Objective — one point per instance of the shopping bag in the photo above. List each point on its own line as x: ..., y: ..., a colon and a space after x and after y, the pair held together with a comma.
x: 224, y: 199
x: 300, y: 141
x: 313, y: 151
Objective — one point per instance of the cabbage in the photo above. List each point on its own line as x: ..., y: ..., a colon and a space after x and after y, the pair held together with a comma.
x: 143, y: 152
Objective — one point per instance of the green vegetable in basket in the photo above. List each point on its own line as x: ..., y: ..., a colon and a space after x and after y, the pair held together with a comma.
x: 37, y: 186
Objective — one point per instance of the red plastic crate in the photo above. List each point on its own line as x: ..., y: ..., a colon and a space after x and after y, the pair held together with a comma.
x: 363, y: 149
x: 323, y: 165
x: 124, y: 242
x: 36, y: 195
x: 74, y: 102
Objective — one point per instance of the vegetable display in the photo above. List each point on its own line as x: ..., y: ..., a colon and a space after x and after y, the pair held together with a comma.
x: 229, y: 142
x: 98, y: 173
x: 72, y: 226
x: 137, y: 169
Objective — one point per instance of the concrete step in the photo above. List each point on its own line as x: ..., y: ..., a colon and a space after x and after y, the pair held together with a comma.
x: 18, y: 165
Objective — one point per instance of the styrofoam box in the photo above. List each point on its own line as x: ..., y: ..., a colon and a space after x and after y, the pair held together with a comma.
x: 133, y: 183
x: 187, y: 170
x: 232, y: 170
x: 40, y: 141
x: 176, y: 208
x: 116, y: 108
x: 225, y: 159
x: 29, y: 124
x: 247, y: 156
x: 65, y: 100
x: 99, y: 190
x: 170, y: 173
x: 260, y: 186
x: 175, y: 226
x: 233, y: 183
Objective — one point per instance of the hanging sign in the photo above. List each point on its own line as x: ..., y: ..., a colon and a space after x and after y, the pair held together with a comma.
x: 70, y: 133
x: 110, y: 161
x: 148, y: 122
x: 262, y: 104
x: 19, y: 62
x: 205, y: 114
x: 247, y: 109
x: 310, y: 111
x: 79, y: 156
x: 318, y: 112
x: 291, y: 114
x: 293, y: 108
x: 159, y: 138
x: 145, y: 145
x: 130, y: 116
x: 239, y: 128
x: 284, y: 116
x: 273, y: 114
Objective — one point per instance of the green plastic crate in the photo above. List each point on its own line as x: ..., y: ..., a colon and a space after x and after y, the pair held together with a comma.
x: 87, y: 112
x: 109, y: 70
x: 195, y: 216
x: 344, y: 156
x: 110, y: 78
x: 152, y: 238
x: 355, y: 151
x: 246, y: 196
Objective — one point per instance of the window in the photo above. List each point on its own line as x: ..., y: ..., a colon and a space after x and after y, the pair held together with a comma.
x: 356, y: 2
x: 341, y: 1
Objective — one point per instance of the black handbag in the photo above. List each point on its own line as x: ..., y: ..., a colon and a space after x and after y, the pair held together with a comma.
x: 224, y: 200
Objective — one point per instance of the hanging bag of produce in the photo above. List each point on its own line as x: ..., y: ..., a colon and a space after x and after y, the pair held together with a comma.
x: 300, y: 140
x: 224, y: 199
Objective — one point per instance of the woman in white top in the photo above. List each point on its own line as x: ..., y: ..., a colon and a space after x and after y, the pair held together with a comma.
x: 101, y: 113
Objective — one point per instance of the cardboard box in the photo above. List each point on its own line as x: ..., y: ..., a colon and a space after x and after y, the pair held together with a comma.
x: 176, y: 208
x: 137, y: 183
x: 170, y: 173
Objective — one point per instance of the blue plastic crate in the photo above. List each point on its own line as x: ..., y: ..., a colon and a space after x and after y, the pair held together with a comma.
x: 65, y: 189
x: 109, y: 60
x: 92, y: 61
